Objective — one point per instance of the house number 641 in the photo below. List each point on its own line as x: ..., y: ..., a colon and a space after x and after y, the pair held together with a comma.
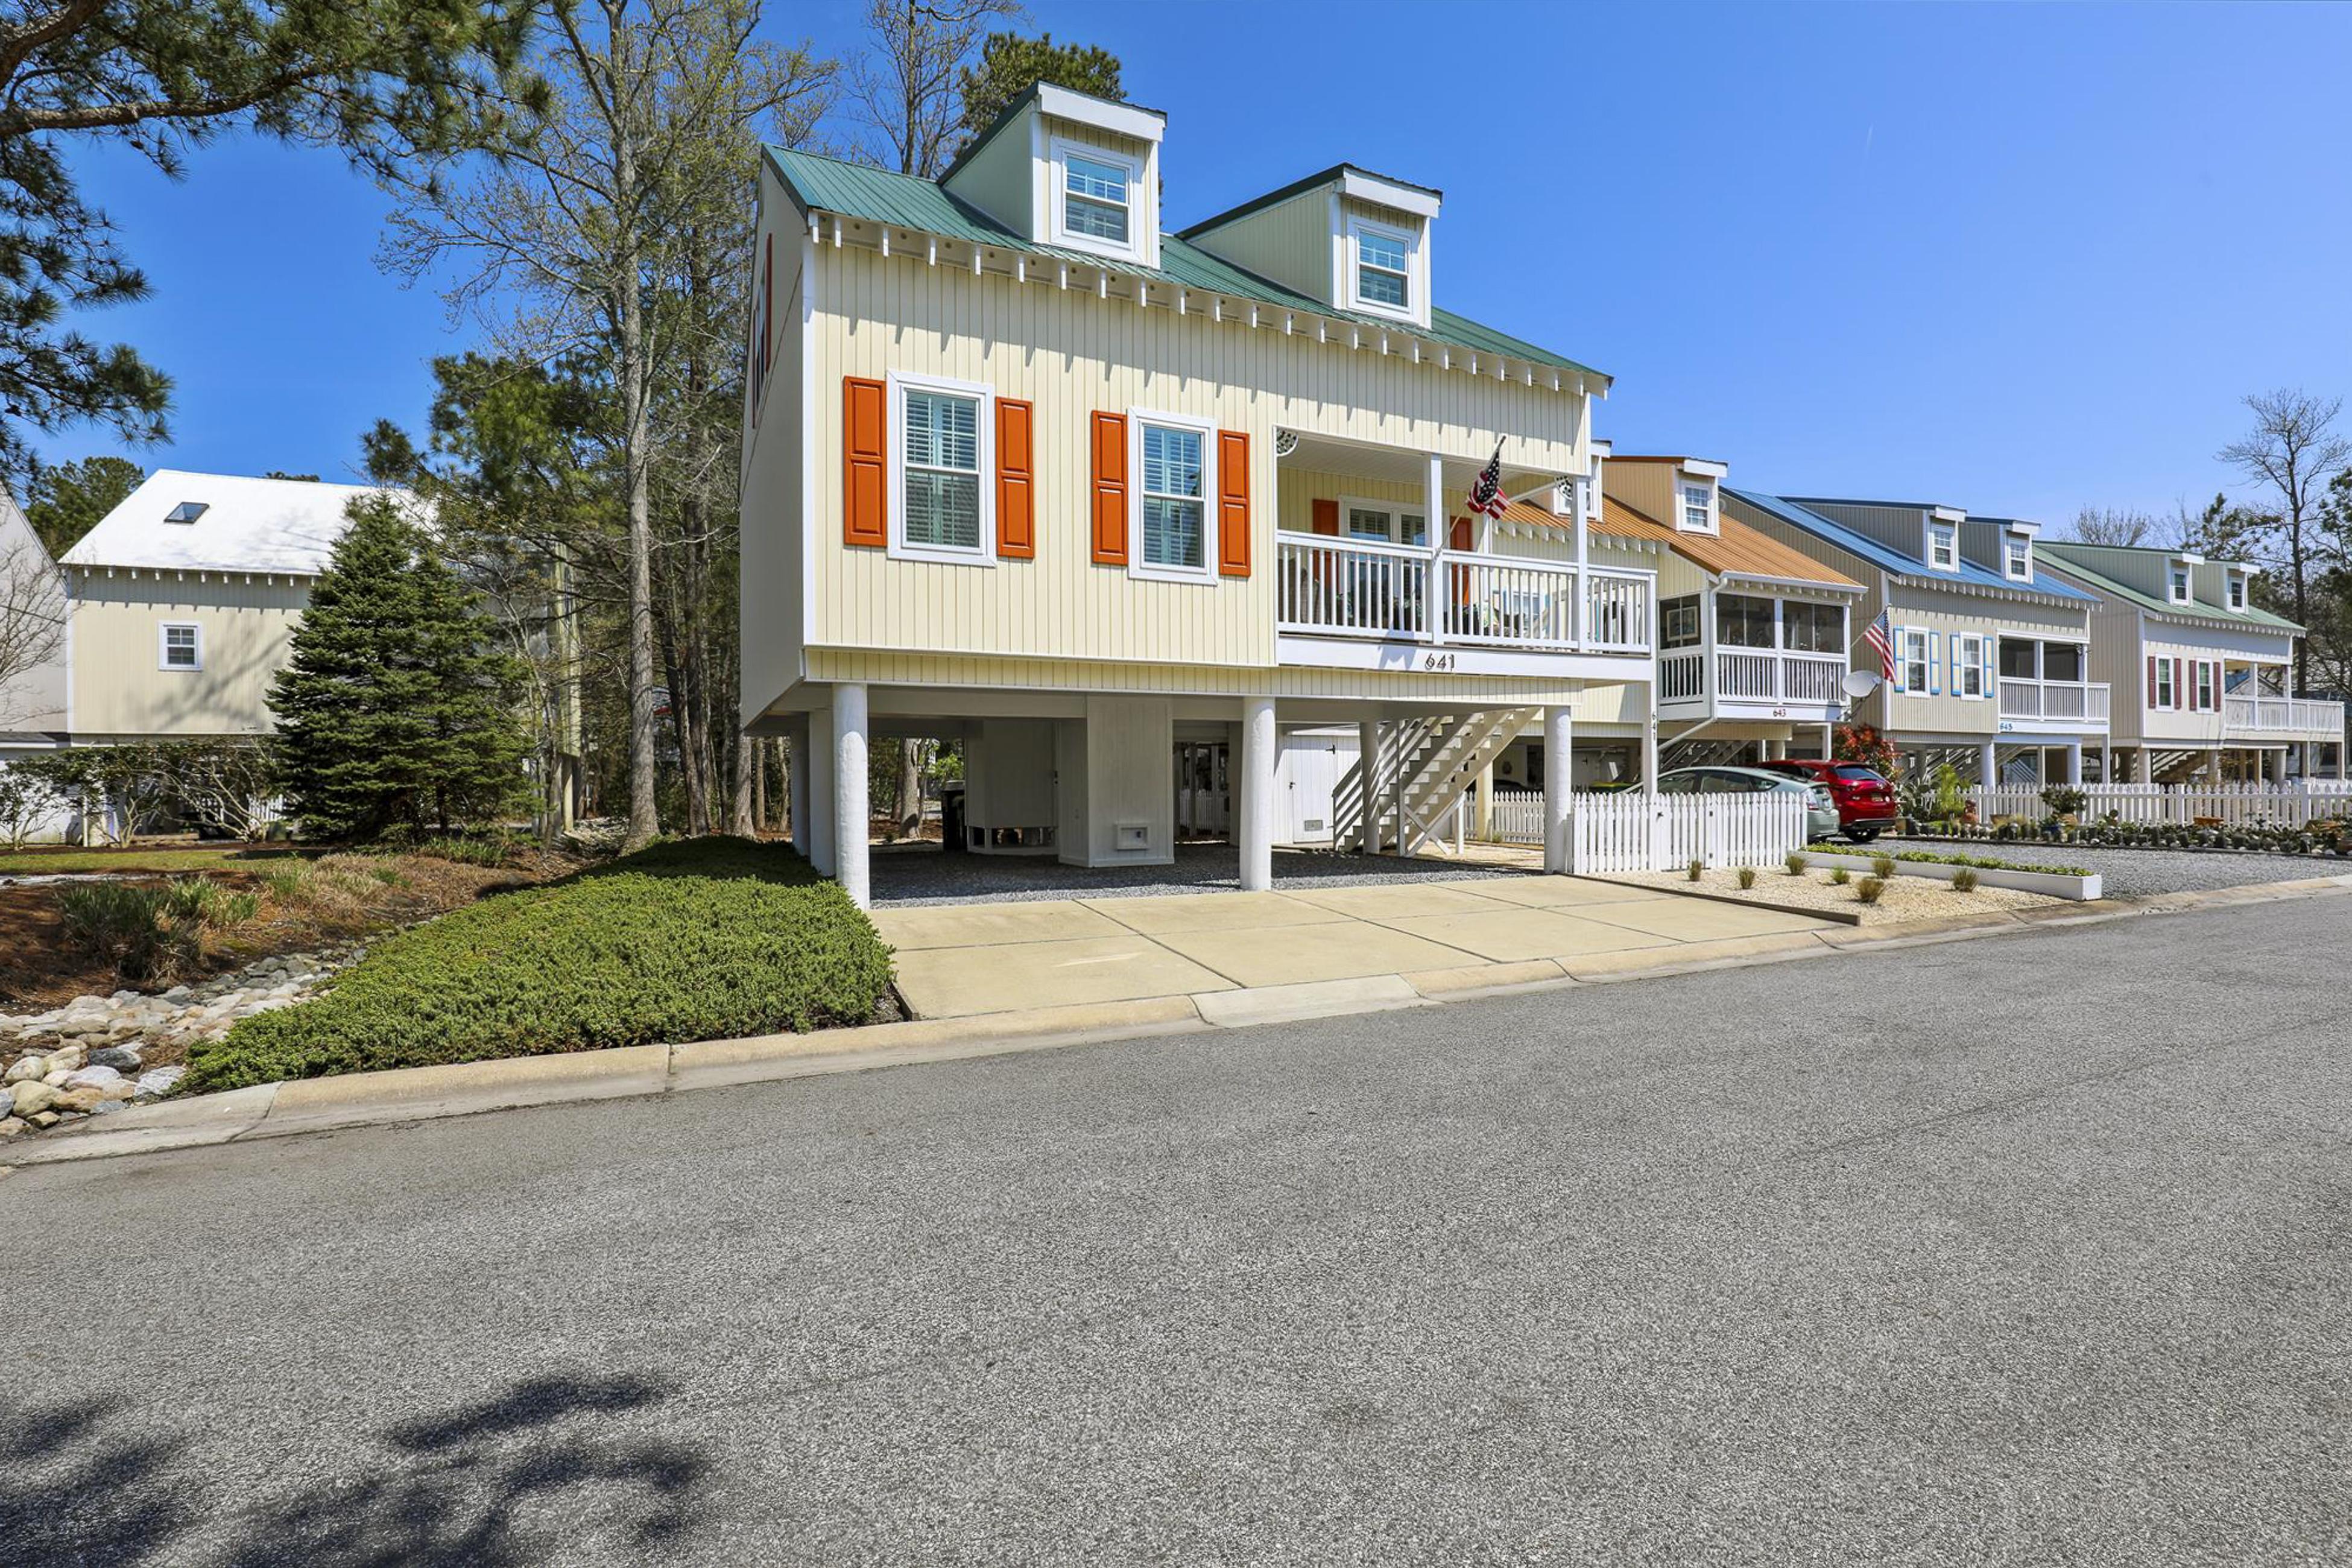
x: 1437, y: 661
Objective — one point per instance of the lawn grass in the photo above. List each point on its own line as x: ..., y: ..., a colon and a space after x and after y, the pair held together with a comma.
x: 195, y: 857
x: 704, y: 939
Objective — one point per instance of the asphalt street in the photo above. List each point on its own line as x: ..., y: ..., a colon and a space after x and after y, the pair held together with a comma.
x: 2029, y: 1250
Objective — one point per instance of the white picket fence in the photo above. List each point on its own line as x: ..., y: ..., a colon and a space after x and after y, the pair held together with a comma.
x: 2230, y: 803
x: 1630, y: 831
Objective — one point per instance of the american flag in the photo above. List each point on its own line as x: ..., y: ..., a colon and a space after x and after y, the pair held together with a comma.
x: 1881, y: 635
x: 1487, y: 494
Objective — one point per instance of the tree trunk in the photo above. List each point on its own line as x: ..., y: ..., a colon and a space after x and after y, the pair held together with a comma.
x: 911, y: 788
x: 637, y: 457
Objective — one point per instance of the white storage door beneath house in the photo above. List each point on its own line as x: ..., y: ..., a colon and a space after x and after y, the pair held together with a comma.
x: 1307, y: 783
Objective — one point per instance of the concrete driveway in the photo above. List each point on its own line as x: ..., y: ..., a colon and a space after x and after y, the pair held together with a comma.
x: 955, y: 961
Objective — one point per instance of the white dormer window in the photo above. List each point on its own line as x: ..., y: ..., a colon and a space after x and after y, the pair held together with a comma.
x: 2237, y: 591
x: 1943, y: 546
x: 1384, y: 262
x: 1697, y: 508
x: 1096, y: 199
x: 2017, y: 557
x: 2180, y: 585
x: 186, y: 511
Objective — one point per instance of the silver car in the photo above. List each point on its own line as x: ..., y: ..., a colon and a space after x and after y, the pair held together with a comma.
x: 1820, y: 807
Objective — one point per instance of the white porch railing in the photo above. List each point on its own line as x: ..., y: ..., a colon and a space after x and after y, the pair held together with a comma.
x: 1363, y: 588
x: 2083, y: 700
x: 2281, y: 715
x: 1764, y: 675
x: 1635, y: 832
x: 2230, y: 804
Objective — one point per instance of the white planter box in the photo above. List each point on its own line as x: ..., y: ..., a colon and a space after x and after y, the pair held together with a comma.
x: 2057, y: 884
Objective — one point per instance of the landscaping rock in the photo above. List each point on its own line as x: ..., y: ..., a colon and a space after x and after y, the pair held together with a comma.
x: 97, y: 1078
x: 43, y: 1121
x: 11, y: 1127
x: 81, y: 1101
x: 121, y: 1058
x: 159, y: 1081
x: 28, y: 1067
x: 30, y: 1098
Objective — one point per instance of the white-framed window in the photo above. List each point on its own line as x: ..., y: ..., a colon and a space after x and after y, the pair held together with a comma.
x: 943, y: 506
x: 2017, y: 557
x: 1383, y: 269
x: 1968, y: 665
x: 1697, y: 512
x: 2207, y: 700
x: 1391, y: 520
x: 2166, y: 697
x: 1174, y: 461
x: 1943, y: 546
x: 1678, y: 624
x: 179, y: 645
x: 2237, y: 590
x: 1912, y: 664
x: 1097, y: 199
x: 2180, y: 585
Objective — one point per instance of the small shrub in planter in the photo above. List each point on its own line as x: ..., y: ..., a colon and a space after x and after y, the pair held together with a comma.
x: 1696, y: 868
x: 1747, y: 877
x: 1868, y: 890
x: 1964, y: 880
x: 1840, y: 876
x: 1796, y: 865
x: 1882, y: 866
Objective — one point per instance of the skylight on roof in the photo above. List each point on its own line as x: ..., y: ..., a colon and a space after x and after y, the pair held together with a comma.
x: 186, y: 511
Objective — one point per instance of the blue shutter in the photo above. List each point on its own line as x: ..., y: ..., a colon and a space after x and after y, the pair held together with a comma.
x: 1990, y: 642
x: 1935, y: 663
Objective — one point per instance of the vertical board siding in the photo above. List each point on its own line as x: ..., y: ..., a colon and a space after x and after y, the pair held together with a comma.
x: 116, y: 624
x: 1070, y: 355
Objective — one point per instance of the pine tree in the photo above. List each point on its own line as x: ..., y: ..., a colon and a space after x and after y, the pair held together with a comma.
x: 395, y: 708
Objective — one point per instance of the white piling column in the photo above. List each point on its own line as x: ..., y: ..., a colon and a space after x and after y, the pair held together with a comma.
x: 2074, y: 763
x: 1257, y: 794
x: 1988, y: 766
x: 799, y: 792
x: 1650, y: 747
x: 1367, y: 769
x: 818, y: 731
x: 851, y: 814
x: 1559, y: 765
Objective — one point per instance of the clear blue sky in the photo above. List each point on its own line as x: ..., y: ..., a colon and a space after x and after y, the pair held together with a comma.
x: 2017, y: 259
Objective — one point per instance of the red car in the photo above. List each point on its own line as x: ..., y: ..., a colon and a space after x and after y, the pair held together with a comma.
x: 1866, y: 801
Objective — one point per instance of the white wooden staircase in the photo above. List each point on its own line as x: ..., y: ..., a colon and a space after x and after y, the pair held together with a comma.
x: 1438, y: 759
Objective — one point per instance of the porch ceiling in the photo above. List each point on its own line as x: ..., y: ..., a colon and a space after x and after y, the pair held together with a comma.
x: 1399, y: 465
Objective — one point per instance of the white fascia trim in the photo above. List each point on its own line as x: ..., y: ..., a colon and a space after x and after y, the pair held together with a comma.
x: 898, y: 547
x: 1118, y: 118
x: 807, y: 627
x: 1951, y: 514
x: 1137, y: 567
x: 1358, y: 186
x: 1141, y: 218
x: 1706, y: 468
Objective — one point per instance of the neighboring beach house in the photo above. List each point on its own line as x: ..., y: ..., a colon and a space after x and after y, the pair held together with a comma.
x: 1121, y: 508
x: 1753, y: 634
x: 183, y: 597
x: 2203, y: 678
x: 1992, y: 650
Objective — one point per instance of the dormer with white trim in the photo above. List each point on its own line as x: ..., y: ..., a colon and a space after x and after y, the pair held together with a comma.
x: 2002, y: 545
x: 1068, y: 170
x: 1939, y: 538
x: 1358, y: 241
x: 1687, y: 492
x: 2180, y: 577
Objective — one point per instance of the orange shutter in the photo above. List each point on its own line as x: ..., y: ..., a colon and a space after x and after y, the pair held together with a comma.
x: 866, y: 463
x: 1327, y: 516
x: 1461, y: 535
x: 1232, y: 503
x: 1016, y: 481
x: 1109, y: 441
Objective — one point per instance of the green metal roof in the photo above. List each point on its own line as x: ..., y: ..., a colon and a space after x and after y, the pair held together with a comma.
x: 2075, y: 559
x: 820, y: 184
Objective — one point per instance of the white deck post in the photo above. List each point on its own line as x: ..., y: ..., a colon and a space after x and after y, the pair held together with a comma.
x: 1558, y: 781
x: 1650, y: 745
x: 1256, y: 837
x: 850, y: 812
x: 1368, y: 768
x: 1988, y: 766
x: 817, y: 731
x: 2074, y: 763
x: 1484, y: 818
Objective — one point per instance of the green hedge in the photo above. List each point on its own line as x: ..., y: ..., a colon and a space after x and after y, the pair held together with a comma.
x: 704, y: 939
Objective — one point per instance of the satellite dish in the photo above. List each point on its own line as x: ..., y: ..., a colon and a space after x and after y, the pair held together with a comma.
x: 1862, y: 682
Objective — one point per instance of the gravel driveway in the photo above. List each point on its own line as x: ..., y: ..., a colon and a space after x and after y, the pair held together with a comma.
x: 2145, y: 873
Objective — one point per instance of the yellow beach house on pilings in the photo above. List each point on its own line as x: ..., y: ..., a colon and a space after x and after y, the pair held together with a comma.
x: 1023, y: 469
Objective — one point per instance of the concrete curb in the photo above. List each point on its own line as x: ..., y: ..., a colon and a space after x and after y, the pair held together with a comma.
x: 418, y: 1094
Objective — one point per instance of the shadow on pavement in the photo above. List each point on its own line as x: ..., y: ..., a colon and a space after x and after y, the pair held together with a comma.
x: 526, y: 1476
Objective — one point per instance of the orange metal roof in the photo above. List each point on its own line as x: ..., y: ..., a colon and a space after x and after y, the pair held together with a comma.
x: 1739, y: 550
